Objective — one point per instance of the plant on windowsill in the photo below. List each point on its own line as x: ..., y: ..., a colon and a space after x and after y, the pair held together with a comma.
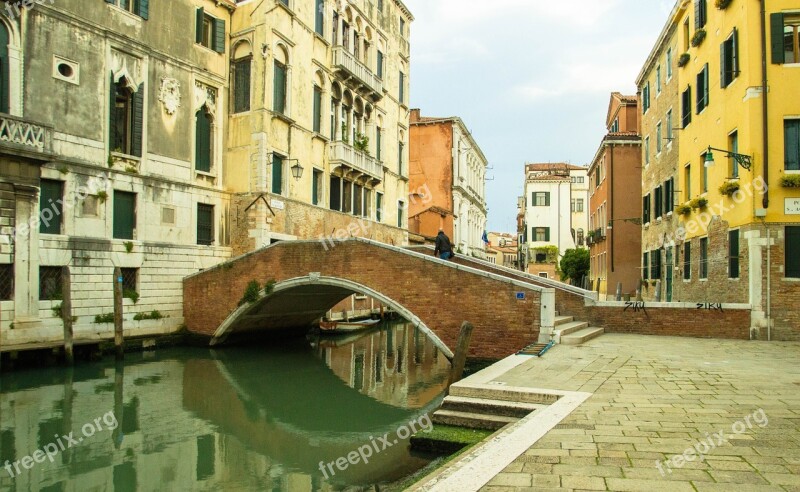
x: 729, y: 188
x: 102, y: 196
x: 698, y: 37
x: 104, y: 318
x: 131, y: 294
x: 722, y: 4
x: 699, y: 203
x: 684, y: 59
x: 128, y: 246
x: 791, y: 181
x: 683, y: 210
x: 362, y: 143
x: 345, y: 136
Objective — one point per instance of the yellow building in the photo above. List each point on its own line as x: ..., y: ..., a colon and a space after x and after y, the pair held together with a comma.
x: 731, y: 200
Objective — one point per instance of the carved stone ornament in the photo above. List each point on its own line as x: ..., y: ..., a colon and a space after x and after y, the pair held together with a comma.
x: 170, y: 95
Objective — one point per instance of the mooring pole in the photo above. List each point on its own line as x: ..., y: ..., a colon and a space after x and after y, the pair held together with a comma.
x: 66, y: 314
x: 120, y: 351
x: 460, y: 357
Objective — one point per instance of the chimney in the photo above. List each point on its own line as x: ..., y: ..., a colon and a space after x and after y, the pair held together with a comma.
x: 415, y: 115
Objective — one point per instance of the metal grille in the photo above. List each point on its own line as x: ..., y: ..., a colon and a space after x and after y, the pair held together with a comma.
x: 6, y: 282
x: 205, y: 224
x: 129, y: 276
x: 49, y: 283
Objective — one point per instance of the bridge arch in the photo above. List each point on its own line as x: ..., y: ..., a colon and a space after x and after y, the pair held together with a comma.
x: 327, y: 291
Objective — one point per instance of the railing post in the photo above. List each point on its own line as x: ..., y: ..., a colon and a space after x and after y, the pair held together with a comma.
x: 460, y: 356
x: 548, y: 315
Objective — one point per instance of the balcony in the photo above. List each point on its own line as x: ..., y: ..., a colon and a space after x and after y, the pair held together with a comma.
x: 357, y: 75
x: 354, y: 161
x: 25, y: 137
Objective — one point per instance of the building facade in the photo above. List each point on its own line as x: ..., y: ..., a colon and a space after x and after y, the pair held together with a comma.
x: 739, y: 154
x: 448, y: 165
x: 502, y: 249
x: 173, y: 152
x: 614, y: 235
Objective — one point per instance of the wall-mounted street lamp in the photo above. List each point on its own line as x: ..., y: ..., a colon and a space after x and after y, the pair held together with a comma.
x: 297, y: 169
x: 742, y: 160
x: 635, y: 220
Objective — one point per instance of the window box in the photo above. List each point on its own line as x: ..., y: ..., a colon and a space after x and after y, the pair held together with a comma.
x: 699, y: 37
x: 699, y: 203
x: 791, y: 181
x: 729, y: 188
x: 684, y: 210
x: 722, y: 4
x: 684, y: 59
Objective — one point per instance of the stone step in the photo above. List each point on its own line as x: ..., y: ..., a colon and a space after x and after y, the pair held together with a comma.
x: 582, y: 336
x: 570, y: 328
x: 471, y: 420
x: 489, y: 407
x: 487, y: 392
x: 560, y: 320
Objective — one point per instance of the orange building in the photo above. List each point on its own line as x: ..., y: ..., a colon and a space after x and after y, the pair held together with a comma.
x: 615, y: 178
x: 446, y: 160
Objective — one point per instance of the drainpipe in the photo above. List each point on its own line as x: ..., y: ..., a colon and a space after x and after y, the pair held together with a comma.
x: 610, y: 185
x: 765, y: 106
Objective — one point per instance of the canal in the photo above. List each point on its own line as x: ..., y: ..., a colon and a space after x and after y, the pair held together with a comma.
x: 256, y: 417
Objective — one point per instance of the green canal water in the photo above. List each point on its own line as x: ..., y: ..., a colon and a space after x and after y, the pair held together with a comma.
x: 256, y: 417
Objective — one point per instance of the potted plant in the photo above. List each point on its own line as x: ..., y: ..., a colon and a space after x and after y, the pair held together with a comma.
x: 698, y: 37
x: 683, y: 210
x: 791, y: 181
x: 699, y: 203
x: 684, y: 59
x: 361, y: 142
x: 729, y: 188
x: 722, y: 4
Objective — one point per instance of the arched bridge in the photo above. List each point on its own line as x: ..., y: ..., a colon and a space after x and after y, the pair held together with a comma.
x: 310, y: 277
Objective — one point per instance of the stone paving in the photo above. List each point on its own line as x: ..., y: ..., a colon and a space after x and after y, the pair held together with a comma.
x: 654, y: 398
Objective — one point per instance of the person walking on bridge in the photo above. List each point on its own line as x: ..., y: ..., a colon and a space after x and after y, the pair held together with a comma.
x: 443, y: 250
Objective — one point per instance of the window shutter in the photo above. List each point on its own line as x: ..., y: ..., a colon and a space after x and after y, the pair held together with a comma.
x: 279, y: 89
x: 792, y: 249
x: 319, y: 18
x: 317, y: 109
x: 698, y: 13
x: 50, y: 196
x: 791, y: 145
x: 112, y: 114
x: 547, y: 199
x: 219, y: 35
x: 776, y: 38
x: 547, y: 234
x: 734, y: 68
x: 112, y: 2
x: 687, y: 260
x: 198, y: 23
x: 706, y: 90
x: 723, y: 68
x: 241, y: 86
x: 124, y: 214
x: 138, y: 121
x: 645, y: 266
x: 202, y: 157
x: 277, y: 174
x: 378, y: 144
x: 380, y: 64
x: 733, y: 253
x: 144, y: 9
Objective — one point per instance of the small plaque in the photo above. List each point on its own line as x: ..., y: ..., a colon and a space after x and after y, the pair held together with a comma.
x: 276, y: 204
x: 791, y: 206
x: 520, y: 296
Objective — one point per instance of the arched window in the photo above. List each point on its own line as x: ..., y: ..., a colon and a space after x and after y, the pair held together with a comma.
x: 4, y: 72
x: 280, y: 80
x: 127, y: 116
x: 203, y: 137
x: 242, y: 59
x: 336, y: 101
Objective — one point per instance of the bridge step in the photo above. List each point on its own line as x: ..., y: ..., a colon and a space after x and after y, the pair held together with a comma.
x: 487, y: 392
x: 472, y: 420
x: 569, y: 328
x: 582, y: 336
x: 560, y: 320
x: 489, y: 407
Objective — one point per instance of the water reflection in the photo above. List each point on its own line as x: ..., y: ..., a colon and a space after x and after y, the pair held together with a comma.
x: 244, y: 418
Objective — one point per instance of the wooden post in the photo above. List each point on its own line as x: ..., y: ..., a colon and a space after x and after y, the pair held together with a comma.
x: 119, y: 382
x: 120, y: 350
x: 66, y: 314
x: 460, y: 357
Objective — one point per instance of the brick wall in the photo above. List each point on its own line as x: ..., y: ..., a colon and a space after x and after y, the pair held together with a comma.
x: 784, y: 292
x: 441, y: 296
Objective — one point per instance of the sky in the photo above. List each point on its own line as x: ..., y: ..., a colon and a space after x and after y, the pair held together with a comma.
x: 531, y: 79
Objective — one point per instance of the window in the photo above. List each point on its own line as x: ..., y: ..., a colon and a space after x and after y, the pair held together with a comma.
x: 51, y: 206
x: 379, y: 144
x: 733, y: 254
x: 785, y: 38
x: 209, y: 31
x: 686, y: 35
x: 687, y: 181
x: 700, y: 13
x: 646, y: 150
x: 704, y: 257
x: 401, y: 148
x: 205, y: 224
x: 687, y: 260
x: 729, y: 59
x: 402, y: 26
x: 126, y: 119
x: 378, y: 206
x: 130, y: 278
x: 336, y: 193
x: 646, y: 209
x: 402, y: 88
x: 202, y: 146
x: 541, y: 234
x: 241, y: 85
x: 669, y: 195
x: 380, y: 64
x: 658, y: 138
x: 669, y: 127
x: 380, y: 5
x: 658, y: 80
x: 702, y: 89
x: 659, y: 202
x: 319, y: 23
x: 277, y: 174
x: 733, y: 146
x: 317, y: 109
x: 705, y: 173
x: 49, y: 283
x: 655, y: 264
x: 279, y: 88
x: 400, y: 213
x: 577, y: 179
x: 645, y: 266
x: 791, y: 132
x: 316, y: 187
x: 577, y: 204
x: 358, y: 199
x: 124, y: 214
x: 646, y: 97
x: 669, y: 63
x: 540, y: 199
x: 136, y: 7
x: 686, y: 107
x: 614, y: 126
x: 792, y: 248
x: 6, y: 282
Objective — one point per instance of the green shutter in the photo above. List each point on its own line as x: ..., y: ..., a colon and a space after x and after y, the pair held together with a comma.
x: 547, y: 199
x: 241, y: 86
x: 277, y: 174
x: 698, y: 19
x: 317, y: 109
x: 320, y: 17
x: 279, y: 89
x: 219, y: 35
x: 776, y: 38
x: 378, y: 206
x: 402, y: 87
x: 547, y: 234
x: 380, y: 64
x: 792, y: 251
x: 645, y: 266
x: 202, y: 157
x: 124, y: 214
x: 791, y: 145
x: 144, y: 9
x: 315, y: 188
x: 687, y: 260
x: 378, y: 145
x: 137, y: 124
x: 706, y: 88
x: 112, y: 2
x: 112, y: 113
x: 733, y: 253
x: 723, y: 65
x: 198, y: 23
x: 50, y: 205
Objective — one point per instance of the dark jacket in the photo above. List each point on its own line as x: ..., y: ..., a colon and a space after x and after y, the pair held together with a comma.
x: 442, y: 244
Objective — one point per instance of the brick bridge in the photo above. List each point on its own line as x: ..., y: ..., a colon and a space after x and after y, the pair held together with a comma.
x: 311, y: 277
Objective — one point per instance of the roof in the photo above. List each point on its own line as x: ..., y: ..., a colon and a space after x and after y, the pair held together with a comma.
x: 547, y: 166
x: 547, y: 177
x: 434, y: 209
x: 669, y: 28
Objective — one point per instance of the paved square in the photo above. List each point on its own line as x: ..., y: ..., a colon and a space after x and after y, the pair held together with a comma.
x: 655, y: 398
